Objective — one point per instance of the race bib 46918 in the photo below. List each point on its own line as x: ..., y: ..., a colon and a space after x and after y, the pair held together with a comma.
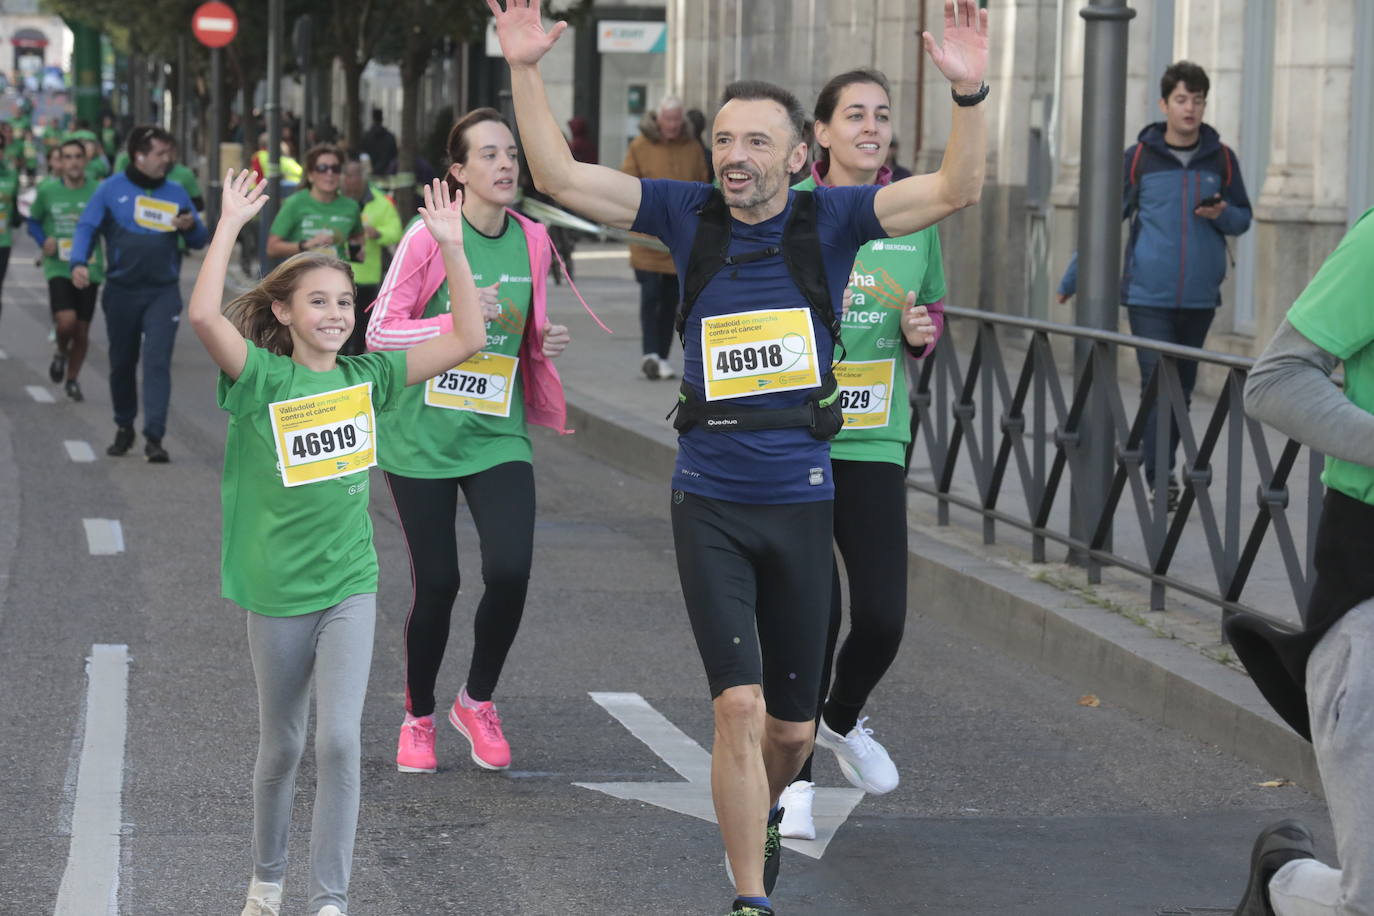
x: 323, y: 436
x: 751, y: 353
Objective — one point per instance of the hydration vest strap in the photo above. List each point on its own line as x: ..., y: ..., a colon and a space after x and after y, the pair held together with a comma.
x: 820, y: 414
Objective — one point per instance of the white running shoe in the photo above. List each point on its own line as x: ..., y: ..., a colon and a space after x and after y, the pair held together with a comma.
x: 650, y: 367
x: 264, y: 899
x: 863, y: 761
x: 665, y: 369
x: 796, y: 802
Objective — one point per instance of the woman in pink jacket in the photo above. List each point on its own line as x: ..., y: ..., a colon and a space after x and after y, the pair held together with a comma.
x: 467, y: 429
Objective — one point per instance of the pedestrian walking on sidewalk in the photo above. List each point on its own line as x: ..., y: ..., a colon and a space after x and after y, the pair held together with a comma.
x: 297, y: 552
x: 57, y: 205
x: 1319, y: 679
x: 1184, y: 197
x: 467, y: 430
x: 894, y: 308
x: 143, y: 219
x: 663, y: 149
x: 762, y: 270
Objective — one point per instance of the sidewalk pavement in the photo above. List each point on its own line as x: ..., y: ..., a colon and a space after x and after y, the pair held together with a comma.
x: 1169, y: 666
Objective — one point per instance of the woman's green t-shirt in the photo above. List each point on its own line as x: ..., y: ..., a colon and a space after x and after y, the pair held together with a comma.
x: 451, y: 426
x: 302, y: 216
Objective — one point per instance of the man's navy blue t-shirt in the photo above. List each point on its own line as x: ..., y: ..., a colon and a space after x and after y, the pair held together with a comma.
x: 757, y: 466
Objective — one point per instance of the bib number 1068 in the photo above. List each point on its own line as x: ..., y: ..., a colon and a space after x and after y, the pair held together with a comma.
x: 732, y: 360
x: 324, y: 441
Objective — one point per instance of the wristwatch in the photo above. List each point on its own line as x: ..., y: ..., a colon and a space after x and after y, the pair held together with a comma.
x: 968, y: 101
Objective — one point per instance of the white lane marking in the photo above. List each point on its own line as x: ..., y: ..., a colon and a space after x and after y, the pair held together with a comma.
x: 693, y: 797
x: 90, y: 883
x: 39, y: 394
x: 613, y: 254
x: 79, y: 451
x: 4, y: 355
x: 104, y: 536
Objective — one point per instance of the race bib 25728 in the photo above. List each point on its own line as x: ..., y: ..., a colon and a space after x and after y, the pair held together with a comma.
x: 483, y: 384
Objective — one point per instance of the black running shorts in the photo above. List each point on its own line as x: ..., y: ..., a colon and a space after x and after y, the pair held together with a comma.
x: 64, y: 296
x: 756, y: 579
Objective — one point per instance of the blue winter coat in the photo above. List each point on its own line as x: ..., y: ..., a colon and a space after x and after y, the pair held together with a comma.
x: 1175, y: 258
x: 140, y: 243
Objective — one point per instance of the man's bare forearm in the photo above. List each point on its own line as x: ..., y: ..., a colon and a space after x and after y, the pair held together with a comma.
x: 545, y: 149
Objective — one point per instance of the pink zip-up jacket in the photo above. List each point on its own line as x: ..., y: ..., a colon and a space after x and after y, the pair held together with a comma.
x: 417, y: 272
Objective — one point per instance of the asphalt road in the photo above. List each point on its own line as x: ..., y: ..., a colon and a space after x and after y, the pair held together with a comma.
x: 1015, y: 798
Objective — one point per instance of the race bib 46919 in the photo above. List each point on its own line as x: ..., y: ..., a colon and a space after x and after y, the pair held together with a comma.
x: 751, y: 353
x: 323, y: 436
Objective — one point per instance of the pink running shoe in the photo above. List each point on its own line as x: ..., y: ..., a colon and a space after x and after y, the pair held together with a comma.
x: 480, y: 724
x: 415, y: 749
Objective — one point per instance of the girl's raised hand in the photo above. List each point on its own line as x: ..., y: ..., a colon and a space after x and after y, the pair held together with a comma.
x: 443, y: 214
x: 242, y: 199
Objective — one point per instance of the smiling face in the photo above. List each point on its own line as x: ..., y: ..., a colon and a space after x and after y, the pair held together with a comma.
x: 755, y: 150
x: 489, y: 170
x: 859, y: 132
x: 319, y: 313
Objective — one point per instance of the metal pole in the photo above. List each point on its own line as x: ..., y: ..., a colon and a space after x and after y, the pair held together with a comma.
x: 212, y: 164
x: 182, y: 121
x: 272, y: 109
x: 1099, y: 248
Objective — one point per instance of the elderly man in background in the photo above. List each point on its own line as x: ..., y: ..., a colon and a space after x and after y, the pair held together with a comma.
x: 382, y: 228
x: 663, y: 149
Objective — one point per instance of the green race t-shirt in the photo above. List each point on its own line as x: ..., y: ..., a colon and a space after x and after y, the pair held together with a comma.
x: 9, y: 195
x: 290, y: 550
x: 97, y: 170
x: 57, y: 208
x: 427, y: 440
x: 301, y: 216
x: 872, y: 378
x: 1334, y: 313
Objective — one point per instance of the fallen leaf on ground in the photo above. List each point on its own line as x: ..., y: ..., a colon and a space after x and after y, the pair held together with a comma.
x: 1089, y: 700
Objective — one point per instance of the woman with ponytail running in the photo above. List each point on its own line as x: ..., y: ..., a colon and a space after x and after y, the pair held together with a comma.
x: 467, y: 430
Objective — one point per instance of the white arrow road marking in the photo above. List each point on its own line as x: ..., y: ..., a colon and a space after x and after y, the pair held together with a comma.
x: 79, y: 451
x: 39, y: 394
x: 104, y: 536
x: 693, y: 797
x: 90, y: 883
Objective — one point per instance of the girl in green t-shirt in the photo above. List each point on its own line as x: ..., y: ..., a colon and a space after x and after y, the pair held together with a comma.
x: 893, y: 308
x: 297, y: 549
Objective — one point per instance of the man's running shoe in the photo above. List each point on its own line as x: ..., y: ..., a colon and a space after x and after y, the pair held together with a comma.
x: 796, y: 802
x: 665, y: 369
x: 479, y: 723
x: 124, y: 440
x: 155, y: 453
x: 772, y: 851
x: 649, y: 366
x: 73, y: 390
x: 415, y: 749
x: 1276, y: 846
x: 264, y: 899
x: 863, y: 761
x: 740, y: 908
x: 57, y: 369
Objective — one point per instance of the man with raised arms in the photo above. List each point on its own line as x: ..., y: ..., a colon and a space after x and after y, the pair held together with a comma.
x: 751, y: 497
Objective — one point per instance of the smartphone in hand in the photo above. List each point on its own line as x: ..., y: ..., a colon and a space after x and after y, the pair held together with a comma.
x: 1210, y: 201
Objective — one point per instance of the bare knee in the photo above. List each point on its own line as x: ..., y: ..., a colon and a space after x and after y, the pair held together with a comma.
x: 739, y: 713
x: 792, y: 739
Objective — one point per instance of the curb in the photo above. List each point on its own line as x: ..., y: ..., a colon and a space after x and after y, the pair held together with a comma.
x: 1055, y: 631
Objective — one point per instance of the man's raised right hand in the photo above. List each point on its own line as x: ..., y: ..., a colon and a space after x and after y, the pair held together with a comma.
x: 520, y: 27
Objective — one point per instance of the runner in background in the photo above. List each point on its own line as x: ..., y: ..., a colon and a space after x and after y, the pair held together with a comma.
x: 297, y: 552
x: 382, y: 229
x: 468, y: 430
x: 9, y: 211
x: 57, y: 207
x: 894, y: 306
x: 317, y: 216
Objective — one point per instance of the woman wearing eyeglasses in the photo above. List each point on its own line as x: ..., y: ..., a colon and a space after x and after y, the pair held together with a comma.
x: 317, y: 216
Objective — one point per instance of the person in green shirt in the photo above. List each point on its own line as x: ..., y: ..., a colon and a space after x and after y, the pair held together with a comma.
x: 382, y: 227
x: 297, y: 552
x: 317, y: 216
x: 893, y: 307
x: 9, y: 209
x: 109, y: 137
x: 97, y: 166
x: 57, y: 206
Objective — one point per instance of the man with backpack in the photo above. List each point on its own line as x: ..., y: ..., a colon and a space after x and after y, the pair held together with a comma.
x: 762, y: 271
x: 1183, y: 196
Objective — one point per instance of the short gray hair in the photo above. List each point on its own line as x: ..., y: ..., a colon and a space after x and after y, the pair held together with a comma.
x: 670, y: 103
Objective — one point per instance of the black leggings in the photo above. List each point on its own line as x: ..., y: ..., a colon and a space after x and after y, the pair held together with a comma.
x: 501, y: 500
x: 4, y: 265
x: 870, y: 532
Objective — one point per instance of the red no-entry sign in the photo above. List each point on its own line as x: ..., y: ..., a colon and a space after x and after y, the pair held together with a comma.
x: 214, y: 24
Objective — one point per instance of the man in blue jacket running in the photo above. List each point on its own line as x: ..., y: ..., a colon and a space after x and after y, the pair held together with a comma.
x: 1183, y: 196
x: 141, y: 216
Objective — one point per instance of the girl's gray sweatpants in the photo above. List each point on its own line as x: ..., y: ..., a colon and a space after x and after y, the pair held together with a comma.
x: 335, y: 647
